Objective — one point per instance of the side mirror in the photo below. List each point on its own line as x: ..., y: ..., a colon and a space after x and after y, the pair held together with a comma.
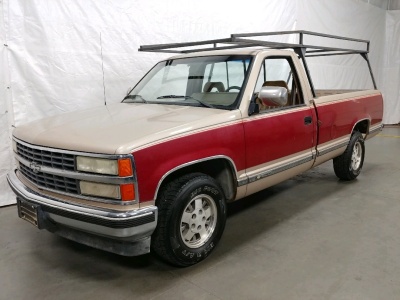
x: 273, y: 95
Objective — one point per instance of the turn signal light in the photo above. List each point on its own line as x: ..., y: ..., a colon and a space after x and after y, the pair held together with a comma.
x: 124, y: 167
x: 127, y: 192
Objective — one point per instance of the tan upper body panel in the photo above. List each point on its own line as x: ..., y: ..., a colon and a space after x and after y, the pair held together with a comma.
x: 120, y: 128
x: 336, y: 95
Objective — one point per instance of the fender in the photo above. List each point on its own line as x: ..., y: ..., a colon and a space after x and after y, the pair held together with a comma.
x: 230, y: 161
x: 360, y: 121
x: 155, y: 162
x: 340, y: 118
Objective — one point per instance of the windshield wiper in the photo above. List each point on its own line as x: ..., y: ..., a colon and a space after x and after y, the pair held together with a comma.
x: 135, y: 97
x: 186, y: 97
x: 170, y: 96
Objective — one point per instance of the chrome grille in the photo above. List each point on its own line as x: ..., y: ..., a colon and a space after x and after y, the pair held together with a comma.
x: 47, y: 158
x: 50, y: 181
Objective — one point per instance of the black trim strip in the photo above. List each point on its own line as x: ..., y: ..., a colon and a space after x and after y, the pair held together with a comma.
x: 102, y: 222
x: 274, y: 171
x: 333, y: 148
x: 279, y: 169
x: 376, y: 129
x: 242, y: 182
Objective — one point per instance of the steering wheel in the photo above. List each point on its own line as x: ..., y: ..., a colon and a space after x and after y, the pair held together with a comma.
x: 234, y: 87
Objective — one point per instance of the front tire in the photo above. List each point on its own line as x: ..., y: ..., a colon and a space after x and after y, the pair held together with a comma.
x: 192, y: 216
x: 348, y: 165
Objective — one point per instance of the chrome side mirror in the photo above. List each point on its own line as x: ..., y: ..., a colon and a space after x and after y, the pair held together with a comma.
x: 273, y: 95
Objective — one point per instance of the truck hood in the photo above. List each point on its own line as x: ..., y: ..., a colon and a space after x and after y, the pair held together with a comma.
x: 120, y: 128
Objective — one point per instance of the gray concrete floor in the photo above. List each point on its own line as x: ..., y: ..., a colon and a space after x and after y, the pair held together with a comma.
x: 311, y: 237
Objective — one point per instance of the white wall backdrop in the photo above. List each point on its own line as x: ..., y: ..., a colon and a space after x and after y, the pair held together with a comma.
x: 346, y: 18
x: 52, y: 61
x: 6, y: 113
x: 391, y: 69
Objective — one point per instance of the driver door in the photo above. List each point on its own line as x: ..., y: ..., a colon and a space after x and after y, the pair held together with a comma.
x: 279, y: 139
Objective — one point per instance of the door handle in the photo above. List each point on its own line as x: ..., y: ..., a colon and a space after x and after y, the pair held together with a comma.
x: 307, y: 120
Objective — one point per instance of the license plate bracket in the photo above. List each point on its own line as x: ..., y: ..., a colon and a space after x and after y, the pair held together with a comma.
x: 31, y: 213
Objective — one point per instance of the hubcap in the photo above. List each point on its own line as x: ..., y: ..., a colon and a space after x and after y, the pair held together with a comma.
x: 198, y: 221
x: 356, y: 156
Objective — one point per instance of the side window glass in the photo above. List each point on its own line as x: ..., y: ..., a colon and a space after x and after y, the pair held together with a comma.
x: 279, y: 72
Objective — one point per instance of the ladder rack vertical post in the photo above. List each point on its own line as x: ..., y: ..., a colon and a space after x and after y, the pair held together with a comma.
x: 301, y: 53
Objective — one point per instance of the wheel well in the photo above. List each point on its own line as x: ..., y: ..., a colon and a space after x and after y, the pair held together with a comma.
x: 220, y: 169
x: 362, y: 126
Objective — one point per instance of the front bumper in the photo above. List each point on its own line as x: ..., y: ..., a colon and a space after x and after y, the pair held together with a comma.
x: 126, y: 233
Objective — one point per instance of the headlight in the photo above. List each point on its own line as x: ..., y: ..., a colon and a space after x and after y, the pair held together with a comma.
x: 100, y: 189
x: 97, y: 165
x: 121, y: 167
x: 124, y: 192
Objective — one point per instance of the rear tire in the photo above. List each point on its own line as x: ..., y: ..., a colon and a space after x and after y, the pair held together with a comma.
x: 191, y: 219
x: 348, y: 165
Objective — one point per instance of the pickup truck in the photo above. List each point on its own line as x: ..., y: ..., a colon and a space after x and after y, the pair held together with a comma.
x: 201, y: 129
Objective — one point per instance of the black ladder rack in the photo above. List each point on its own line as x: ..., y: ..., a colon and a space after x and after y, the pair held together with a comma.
x: 244, y: 40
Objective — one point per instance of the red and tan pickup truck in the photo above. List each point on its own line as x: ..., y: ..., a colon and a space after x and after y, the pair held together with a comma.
x: 201, y: 129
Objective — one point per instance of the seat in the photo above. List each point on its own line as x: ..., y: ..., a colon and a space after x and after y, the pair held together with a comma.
x: 280, y: 83
x: 210, y: 85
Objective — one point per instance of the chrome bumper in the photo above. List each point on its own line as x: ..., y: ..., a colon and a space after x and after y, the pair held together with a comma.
x: 110, y: 230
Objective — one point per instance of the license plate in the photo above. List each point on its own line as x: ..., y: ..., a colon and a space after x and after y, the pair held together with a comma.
x: 30, y: 212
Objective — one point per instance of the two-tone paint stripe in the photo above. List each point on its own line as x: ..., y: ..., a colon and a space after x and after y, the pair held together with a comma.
x: 322, y: 102
x: 293, y: 163
x: 275, y: 170
x: 333, y: 147
x: 375, y: 129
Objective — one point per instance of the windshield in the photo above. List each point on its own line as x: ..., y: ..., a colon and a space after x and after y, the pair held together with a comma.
x: 211, y: 81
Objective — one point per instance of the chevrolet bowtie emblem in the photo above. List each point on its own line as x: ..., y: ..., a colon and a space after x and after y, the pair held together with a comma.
x: 35, y: 167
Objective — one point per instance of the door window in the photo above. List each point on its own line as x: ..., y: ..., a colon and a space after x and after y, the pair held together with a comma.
x: 279, y: 72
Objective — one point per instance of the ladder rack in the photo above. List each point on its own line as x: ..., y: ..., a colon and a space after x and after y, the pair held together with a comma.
x: 245, y: 40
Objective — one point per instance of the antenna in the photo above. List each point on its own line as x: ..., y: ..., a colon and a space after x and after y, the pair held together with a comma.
x: 102, y: 69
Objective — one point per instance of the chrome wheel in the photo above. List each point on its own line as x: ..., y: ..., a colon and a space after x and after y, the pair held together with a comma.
x: 198, y: 221
x: 356, y: 156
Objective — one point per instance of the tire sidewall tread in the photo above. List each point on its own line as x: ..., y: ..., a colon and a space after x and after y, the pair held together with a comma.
x: 342, y: 163
x: 166, y: 240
